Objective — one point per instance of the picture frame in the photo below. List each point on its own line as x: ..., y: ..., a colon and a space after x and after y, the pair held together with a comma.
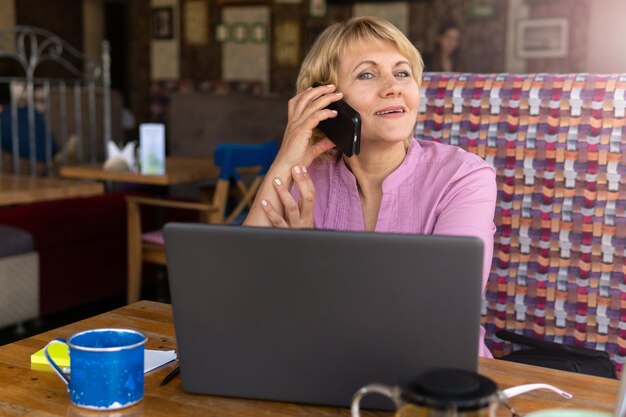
x: 258, y: 32
x: 195, y: 18
x: 542, y: 38
x: 318, y: 8
x: 223, y: 32
x: 239, y: 32
x: 163, y: 23
x: 286, y: 39
x: 483, y: 9
x: 241, y: 2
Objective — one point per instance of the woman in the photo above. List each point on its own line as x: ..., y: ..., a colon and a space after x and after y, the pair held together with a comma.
x: 397, y: 183
x: 445, y: 56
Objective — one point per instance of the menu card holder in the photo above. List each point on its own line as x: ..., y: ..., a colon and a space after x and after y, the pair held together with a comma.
x: 152, y: 148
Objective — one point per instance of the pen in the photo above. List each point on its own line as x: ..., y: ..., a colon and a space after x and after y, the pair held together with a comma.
x: 170, y: 376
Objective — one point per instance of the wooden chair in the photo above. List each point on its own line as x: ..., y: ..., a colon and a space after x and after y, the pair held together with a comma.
x: 149, y: 247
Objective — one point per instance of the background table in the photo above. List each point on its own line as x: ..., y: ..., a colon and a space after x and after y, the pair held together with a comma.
x: 20, y: 189
x: 27, y: 392
x: 178, y: 170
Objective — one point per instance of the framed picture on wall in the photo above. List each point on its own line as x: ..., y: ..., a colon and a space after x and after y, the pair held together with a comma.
x: 483, y: 9
x: 241, y: 2
x: 163, y: 23
x: 317, y: 8
x: 258, y: 32
x: 542, y: 38
x: 195, y: 22
x: 222, y: 32
x: 287, y: 43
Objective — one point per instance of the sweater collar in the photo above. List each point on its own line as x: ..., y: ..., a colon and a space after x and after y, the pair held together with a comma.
x: 393, y: 180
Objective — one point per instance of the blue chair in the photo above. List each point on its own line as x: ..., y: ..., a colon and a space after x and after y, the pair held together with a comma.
x: 230, y: 157
x: 212, y: 208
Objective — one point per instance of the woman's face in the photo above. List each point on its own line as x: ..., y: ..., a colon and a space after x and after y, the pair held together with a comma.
x: 449, y: 41
x: 377, y: 80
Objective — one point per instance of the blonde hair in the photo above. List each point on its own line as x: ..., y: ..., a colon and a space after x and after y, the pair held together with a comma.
x: 321, y: 64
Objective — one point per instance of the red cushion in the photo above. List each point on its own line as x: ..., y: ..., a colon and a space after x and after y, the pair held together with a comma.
x: 155, y: 237
x: 81, y: 244
x: 60, y: 222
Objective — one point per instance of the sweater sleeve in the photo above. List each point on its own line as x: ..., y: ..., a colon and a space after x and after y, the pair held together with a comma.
x: 467, y: 209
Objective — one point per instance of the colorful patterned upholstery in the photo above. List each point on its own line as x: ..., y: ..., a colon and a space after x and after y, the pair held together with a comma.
x: 557, y: 143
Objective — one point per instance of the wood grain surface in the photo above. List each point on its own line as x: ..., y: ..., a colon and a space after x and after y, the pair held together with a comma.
x: 26, y: 392
x: 21, y: 189
x: 178, y: 170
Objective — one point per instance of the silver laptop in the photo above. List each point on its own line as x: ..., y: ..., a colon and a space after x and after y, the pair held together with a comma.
x: 310, y: 316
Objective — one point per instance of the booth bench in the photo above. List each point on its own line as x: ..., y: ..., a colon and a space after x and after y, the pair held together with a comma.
x: 557, y: 142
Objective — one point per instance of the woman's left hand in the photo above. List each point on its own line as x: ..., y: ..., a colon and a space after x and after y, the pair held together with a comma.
x: 297, y: 215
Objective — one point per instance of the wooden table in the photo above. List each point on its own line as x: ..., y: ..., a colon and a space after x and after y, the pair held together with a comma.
x: 178, y: 170
x: 28, y: 392
x: 19, y: 189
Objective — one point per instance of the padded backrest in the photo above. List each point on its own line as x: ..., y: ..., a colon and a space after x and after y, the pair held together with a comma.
x: 15, y: 241
x: 557, y: 143
x: 198, y: 122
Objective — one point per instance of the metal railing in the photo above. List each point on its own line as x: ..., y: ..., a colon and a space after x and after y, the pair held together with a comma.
x: 54, y: 100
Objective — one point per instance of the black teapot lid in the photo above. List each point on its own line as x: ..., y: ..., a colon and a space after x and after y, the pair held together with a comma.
x: 441, y: 388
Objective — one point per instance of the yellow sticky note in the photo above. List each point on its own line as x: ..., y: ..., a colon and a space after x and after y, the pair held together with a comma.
x: 58, y: 352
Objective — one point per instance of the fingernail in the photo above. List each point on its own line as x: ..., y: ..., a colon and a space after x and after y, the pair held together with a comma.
x: 339, y: 94
x: 303, y: 168
x: 334, y: 111
x: 277, y: 181
x: 296, y: 169
x: 264, y: 203
x: 330, y: 85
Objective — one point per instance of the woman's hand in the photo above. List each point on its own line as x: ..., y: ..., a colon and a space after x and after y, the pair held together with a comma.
x: 297, y: 215
x: 273, y: 205
x: 305, y: 111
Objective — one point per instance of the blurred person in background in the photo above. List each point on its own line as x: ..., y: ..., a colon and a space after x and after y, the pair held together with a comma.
x: 444, y: 57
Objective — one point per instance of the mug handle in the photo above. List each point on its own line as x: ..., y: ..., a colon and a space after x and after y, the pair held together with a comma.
x: 385, y: 390
x: 55, y: 367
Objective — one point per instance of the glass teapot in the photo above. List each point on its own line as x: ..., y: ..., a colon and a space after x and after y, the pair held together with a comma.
x: 442, y: 392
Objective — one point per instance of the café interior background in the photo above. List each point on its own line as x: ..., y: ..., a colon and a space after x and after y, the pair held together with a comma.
x: 184, y: 44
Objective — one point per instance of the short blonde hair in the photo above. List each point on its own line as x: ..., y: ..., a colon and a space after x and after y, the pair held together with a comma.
x: 321, y: 64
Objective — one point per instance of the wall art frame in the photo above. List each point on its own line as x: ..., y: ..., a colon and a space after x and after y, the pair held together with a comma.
x: 163, y: 23
x: 542, y: 38
x: 483, y: 9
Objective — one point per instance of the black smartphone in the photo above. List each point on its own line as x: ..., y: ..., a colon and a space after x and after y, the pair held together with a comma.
x: 344, y: 129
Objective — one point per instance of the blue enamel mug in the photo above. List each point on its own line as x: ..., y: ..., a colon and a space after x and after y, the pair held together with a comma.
x: 106, y: 368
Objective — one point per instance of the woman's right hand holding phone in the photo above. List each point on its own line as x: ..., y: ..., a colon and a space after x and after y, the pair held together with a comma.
x: 305, y: 111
